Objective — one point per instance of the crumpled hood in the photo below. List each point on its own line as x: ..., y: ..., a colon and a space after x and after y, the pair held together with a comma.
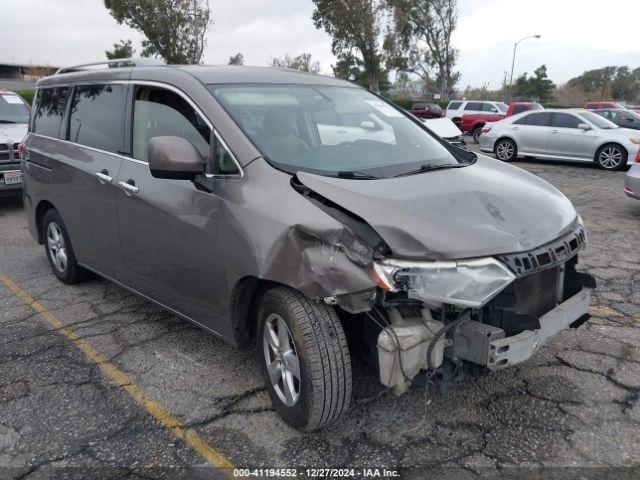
x: 488, y: 208
x: 12, y: 131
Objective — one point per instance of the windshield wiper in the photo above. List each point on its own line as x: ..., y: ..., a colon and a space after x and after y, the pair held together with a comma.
x: 356, y: 175
x: 430, y: 168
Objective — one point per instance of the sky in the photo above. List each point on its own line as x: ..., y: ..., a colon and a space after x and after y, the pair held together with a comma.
x: 576, y: 35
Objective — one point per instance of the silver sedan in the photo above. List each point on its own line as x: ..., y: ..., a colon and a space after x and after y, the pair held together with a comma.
x: 632, y: 182
x: 574, y: 135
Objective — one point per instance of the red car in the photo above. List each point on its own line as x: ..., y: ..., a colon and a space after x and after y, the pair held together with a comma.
x: 599, y: 105
x: 427, y: 110
x: 473, y: 123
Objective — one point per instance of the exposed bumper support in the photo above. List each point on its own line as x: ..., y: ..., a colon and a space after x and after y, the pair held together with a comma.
x: 509, y: 351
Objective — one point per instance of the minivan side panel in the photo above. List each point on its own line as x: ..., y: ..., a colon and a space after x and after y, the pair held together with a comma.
x: 65, y: 175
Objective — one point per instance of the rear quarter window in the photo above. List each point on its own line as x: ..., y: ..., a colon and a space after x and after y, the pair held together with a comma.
x: 97, y: 116
x: 541, y: 119
x: 50, y: 107
x: 454, y: 105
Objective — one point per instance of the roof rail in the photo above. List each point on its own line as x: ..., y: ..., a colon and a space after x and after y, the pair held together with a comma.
x: 118, y: 62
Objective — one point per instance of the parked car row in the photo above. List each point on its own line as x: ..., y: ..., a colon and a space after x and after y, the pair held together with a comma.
x: 574, y: 135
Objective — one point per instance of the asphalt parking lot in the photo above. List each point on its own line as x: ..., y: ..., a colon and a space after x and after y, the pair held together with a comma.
x: 63, y: 415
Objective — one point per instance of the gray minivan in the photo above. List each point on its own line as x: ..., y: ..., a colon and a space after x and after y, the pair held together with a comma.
x: 303, y: 214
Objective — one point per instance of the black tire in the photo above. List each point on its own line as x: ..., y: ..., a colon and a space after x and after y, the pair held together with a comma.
x: 70, y: 272
x: 324, y: 362
x: 506, y: 150
x: 476, y: 134
x: 611, y: 156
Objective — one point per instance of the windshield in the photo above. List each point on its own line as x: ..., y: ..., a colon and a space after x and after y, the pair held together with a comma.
x: 334, y: 131
x: 503, y: 107
x: 598, y: 121
x: 13, y: 109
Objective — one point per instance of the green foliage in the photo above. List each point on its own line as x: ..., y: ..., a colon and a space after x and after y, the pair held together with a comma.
x: 405, y: 103
x: 302, y: 62
x: 364, y: 28
x: 122, y: 49
x: 27, y: 95
x: 237, y: 59
x: 174, y: 29
x: 536, y: 87
x: 426, y: 28
x: 351, y: 68
x: 620, y: 83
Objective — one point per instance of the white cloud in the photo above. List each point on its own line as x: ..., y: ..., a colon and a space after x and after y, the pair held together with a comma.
x: 576, y: 34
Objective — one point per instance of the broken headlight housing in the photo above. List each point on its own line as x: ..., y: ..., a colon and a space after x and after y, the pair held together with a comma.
x: 466, y: 283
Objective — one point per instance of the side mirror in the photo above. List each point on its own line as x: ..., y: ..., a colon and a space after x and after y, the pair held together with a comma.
x: 174, y: 158
x: 494, y: 109
x: 584, y: 126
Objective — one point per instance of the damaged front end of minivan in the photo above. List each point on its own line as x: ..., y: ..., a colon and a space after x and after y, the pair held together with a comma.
x: 475, y: 314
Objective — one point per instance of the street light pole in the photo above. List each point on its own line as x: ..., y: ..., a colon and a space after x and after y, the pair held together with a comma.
x: 513, y: 61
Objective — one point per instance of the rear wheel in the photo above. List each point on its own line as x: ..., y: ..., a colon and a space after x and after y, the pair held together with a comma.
x: 506, y: 150
x: 305, y: 359
x: 611, y: 157
x: 59, y: 249
x: 476, y: 134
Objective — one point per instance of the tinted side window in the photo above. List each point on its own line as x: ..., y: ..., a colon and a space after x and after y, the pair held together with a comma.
x: 454, y: 105
x: 565, y: 120
x: 473, y: 106
x: 487, y: 107
x: 542, y: 119
x: 50, y: 106
x: 97, y: 116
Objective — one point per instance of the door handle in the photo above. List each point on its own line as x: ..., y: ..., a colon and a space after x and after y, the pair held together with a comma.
x: 103, y: 177
x: 554, y: 131
x: 514, y: 128
x: 129, y: 187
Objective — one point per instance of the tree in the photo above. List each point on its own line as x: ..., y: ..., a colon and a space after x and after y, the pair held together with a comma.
x: 426, y: 28
x: 237, y: 59
x: 174, y: 29
x: 365, y: 28
x: 595, y: 82
x: 302, y: 62
x: 350, y: 67
x: 538, y: 86
x: 122, y: 49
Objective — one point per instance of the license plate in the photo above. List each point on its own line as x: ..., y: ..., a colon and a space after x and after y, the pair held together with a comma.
x: 12, y: 178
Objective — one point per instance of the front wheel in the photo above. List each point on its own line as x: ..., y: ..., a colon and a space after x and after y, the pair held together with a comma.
x: 611, y: 157
x: 506, y: 150
x: 305, y: 359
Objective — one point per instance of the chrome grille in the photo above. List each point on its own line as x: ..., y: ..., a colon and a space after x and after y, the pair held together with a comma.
x: 9, y: 152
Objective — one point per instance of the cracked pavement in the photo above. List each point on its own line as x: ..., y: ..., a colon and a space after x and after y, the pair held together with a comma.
x: 573, y: 406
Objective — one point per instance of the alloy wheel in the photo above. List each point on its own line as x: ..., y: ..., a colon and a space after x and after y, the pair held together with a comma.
x: 57, y: 246
x: 505, y: 150
x: 283, y: 365
x: 610, y: 158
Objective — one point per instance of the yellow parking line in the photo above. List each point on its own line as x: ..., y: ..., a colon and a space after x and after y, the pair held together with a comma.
x: 190, y: 437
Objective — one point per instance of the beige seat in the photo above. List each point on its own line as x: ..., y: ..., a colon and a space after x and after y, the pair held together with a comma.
x: 279, y: 139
